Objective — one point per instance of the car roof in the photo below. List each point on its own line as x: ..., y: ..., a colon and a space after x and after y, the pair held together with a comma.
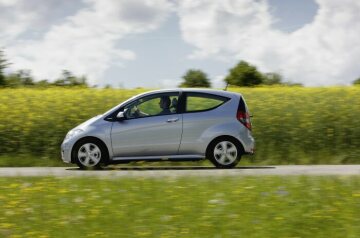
x: 197, y: 90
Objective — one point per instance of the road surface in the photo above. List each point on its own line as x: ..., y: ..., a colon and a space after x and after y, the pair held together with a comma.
x: 184, y: 171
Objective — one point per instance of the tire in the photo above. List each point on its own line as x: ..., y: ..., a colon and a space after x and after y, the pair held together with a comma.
x: 224, y: 152
x: 89, y: 153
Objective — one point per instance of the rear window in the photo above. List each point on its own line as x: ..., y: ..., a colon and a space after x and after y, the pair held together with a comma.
x: 242, y: 106
x: 203, y: 102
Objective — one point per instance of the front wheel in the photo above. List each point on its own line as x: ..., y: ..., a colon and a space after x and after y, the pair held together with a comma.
x: 224, y: 153
x: 89, y: 154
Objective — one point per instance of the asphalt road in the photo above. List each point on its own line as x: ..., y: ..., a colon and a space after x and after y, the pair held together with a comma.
x: 184, y: 171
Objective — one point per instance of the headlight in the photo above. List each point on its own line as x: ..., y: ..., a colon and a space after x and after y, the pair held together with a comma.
x: 72, y: 133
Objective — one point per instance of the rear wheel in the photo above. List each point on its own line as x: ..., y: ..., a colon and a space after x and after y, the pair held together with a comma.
x: 224, y: 152
x: 89, y: 154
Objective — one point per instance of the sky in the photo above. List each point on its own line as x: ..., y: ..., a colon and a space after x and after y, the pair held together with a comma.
x: 152, y: 43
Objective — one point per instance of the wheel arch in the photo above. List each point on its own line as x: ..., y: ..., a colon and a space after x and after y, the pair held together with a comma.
x: 107, y: 158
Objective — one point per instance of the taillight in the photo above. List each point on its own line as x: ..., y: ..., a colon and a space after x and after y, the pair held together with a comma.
x: 244, y: 118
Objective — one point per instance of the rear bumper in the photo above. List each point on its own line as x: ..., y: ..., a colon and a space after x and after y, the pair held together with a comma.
x: 248, y: 143
x: 250, y: 152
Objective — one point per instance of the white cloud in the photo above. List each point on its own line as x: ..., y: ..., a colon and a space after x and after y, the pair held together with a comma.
x: 218, y: 82
x: 169, y: 83
x: 86, y: 43
x: 13, y: 21
x: 8, y: 3
x: 323, y: 52
x: 87, y: 40
x: 21, y: 19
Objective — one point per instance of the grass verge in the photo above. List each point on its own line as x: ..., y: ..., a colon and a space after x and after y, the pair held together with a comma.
x: 267, y: 206
x: 30, y: 161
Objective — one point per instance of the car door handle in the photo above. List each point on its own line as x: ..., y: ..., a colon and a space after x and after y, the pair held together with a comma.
x: 172, y: 120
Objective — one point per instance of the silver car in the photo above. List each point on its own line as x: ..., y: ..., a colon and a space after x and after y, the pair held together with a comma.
x: 174, y: 125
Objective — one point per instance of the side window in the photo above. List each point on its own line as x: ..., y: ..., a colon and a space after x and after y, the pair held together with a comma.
x: 153, y: 105
x: 203, y: 102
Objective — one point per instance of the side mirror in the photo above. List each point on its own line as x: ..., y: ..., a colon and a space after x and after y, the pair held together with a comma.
x: 121, y: 116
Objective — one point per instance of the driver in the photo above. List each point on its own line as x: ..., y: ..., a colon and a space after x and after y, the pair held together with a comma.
x: 165, y: 103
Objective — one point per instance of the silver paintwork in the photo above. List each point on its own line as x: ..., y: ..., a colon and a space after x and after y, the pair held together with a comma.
x: 147, y: 136
x: 182, y: 135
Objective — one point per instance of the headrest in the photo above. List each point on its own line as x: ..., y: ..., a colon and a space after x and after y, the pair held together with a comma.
x: 174, y: 102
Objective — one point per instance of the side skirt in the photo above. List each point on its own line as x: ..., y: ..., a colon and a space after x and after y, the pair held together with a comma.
x: 157, y: 158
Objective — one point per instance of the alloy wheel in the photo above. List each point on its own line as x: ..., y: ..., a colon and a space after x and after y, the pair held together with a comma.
x: 89, y: 155
x: 225, y: 152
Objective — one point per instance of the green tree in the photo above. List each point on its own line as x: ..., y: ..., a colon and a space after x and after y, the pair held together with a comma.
x: 25, y: 77
x: 195, y: 78
x: 43, y: 83
x: 272, y: 78
x: 13, y: 81
x: 244, y: 74
x: 3, y: 65
x: 356, y: 82
x: 69, y: 79
x: 19, y: 79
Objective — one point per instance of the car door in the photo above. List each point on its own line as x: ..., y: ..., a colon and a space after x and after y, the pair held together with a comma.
x: 201, y: 112
x: 150, y: 128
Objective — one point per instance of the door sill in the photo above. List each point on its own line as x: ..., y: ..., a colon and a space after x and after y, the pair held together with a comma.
x: 160, y: 157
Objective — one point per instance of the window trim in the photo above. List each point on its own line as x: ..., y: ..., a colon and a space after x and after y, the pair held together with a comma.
x: 186, y: 95
x: 112, y: 116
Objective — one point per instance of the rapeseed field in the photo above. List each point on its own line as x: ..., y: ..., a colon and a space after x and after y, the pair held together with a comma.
x: 291, y: 125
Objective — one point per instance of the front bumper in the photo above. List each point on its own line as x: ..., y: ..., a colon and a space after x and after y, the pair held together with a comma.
x: 66, y: 152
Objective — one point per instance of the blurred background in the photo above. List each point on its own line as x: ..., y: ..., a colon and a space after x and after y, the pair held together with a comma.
x: 295, y: 62
x: 291, y: 125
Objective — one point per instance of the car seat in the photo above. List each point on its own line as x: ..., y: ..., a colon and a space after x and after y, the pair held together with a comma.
x: 173, y: 106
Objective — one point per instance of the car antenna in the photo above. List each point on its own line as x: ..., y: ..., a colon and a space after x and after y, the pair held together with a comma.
x: 227, y: 84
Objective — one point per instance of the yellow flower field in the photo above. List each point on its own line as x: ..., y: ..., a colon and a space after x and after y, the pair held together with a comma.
x: 291, y: 125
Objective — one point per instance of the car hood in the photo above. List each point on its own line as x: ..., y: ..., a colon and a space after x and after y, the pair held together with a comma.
x: 89, y: 122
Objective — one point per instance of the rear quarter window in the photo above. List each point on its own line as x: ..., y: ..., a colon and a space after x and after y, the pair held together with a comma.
x: 203, y: 102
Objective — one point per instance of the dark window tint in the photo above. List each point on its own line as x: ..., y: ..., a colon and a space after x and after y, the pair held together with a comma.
x: 242, y: 107
x: 203, y: 102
